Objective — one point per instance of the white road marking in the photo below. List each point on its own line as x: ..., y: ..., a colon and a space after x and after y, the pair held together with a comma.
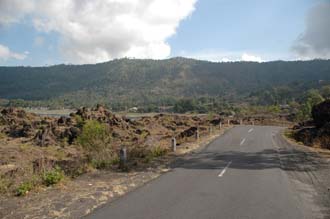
x: 224, y: 170
x: 242, y: 142
x: 250, y: 130
x: 274, y: 143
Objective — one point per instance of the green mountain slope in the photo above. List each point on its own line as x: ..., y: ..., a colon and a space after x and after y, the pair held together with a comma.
x: 138, y: 82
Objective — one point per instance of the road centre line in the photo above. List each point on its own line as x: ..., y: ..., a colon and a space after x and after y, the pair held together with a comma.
x: 242, y: 142
x: 224, y: 169
x: 251, y: 130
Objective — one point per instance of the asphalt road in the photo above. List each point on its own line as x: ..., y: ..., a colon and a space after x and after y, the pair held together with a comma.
x: 239, y: 175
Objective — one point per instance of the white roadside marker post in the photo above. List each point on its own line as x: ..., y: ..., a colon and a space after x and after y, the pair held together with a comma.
x: 123, y: 158
x: 173, y: 141
x: 197, y: 135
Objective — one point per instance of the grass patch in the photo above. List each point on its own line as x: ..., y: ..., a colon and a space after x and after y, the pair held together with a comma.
x: 24, y: 188
x: 289, y: 134
x: 105, y: 164
x: 4, y: 185
x: 154, y: 153
x: 2, y: 135
x: 158, y: 152
x: 52, y: 177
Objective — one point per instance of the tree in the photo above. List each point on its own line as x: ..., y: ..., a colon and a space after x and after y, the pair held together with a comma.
x: 325, y: 91
x: 314, y: 97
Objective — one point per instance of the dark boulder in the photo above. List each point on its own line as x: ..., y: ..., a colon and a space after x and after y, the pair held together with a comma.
x: 45, y: 137
x: 321, y: 113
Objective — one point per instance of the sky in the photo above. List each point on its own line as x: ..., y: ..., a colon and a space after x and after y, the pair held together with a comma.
x: 49, y: 32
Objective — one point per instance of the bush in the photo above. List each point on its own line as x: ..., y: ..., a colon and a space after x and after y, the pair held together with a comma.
x: 94, y: 136
x: 24, y: 188
x: 52, y: 177
x: 95, y: 139
x: 79, y: 120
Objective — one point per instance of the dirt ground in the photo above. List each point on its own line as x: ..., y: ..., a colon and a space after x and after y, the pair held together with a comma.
x: 76, y: 198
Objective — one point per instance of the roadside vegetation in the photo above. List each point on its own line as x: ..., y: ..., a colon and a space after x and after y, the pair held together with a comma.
x: 313, y: 119
x: 40, y: 152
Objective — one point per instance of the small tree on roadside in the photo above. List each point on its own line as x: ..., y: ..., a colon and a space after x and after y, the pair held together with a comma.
x: 95, y: 139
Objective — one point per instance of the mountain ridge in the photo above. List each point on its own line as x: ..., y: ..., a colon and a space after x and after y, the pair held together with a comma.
x: 144, y: 81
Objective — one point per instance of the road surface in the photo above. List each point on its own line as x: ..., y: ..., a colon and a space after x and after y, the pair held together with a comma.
x: 242, y: 174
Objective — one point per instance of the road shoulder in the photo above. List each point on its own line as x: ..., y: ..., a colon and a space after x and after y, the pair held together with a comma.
x: 309, y: 170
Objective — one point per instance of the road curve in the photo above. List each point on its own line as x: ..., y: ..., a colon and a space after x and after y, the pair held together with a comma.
x: 239, y: 175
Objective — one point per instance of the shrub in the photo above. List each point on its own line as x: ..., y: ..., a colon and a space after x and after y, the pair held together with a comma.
x: 80, y: 121
x: 158, y: 152
x: 52, y: 177
x: 95, y: 139
x: 24, y: 188
x: 94, y: 136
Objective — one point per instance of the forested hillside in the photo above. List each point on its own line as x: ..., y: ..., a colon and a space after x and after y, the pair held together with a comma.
x: 130, y: 82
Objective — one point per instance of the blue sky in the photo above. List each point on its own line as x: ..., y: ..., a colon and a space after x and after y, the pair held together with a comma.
x: 216, y: 30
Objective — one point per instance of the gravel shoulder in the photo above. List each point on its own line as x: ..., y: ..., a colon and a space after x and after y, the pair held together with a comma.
x: 310, y: 170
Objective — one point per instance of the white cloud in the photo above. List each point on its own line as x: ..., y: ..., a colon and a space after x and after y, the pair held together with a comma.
x: 12, y: 11
x: 314, y: 42
x: 251, y: 58
x: 6, y: 53
x: 99, y: 30
x: 216, y: 56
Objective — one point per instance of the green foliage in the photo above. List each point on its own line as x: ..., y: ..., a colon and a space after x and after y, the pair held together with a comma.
x: 94, y: 136
x: 52, y: 177
x: 79, y: 120
x: 105, y: 164
x: 148, y: 84
x: 24, y: 188
x: 95, y: 139
x: 325, y: 91
x: 312, y: 98
x: 185, y: 105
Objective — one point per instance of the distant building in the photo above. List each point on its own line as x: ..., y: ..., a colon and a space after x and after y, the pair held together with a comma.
x: 133, y: 109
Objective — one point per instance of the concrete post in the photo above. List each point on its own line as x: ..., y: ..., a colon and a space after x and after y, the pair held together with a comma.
x: 210, y: 130
x: 228, y: 122
x: 173, y: 141
x: 197, y: 135
x: 220, y: 125
x: 123, y: 158
x: 241, y: 122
